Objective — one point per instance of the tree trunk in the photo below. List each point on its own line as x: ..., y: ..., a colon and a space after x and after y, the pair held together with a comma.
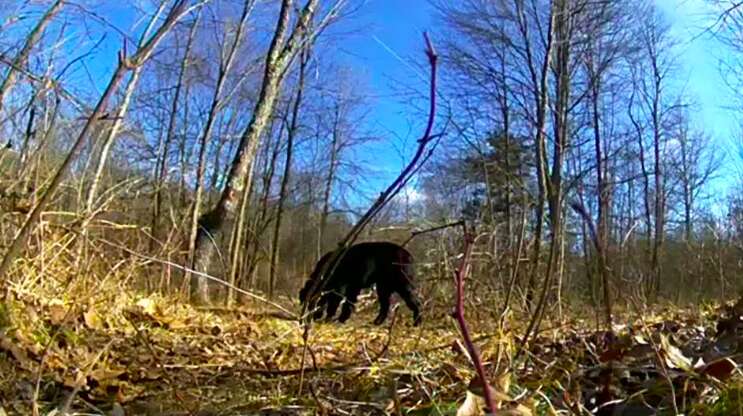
x: 559, y: 31
x: 161, y: 165
x: 329, y: 179
x: 202, y: 289
x: 237, y: 250
x: 539, y: 79
x: 659, y: 206
x: 277, y: 61
x: 561, y: 134
x: 291, y: 133
x: 22, y: 56
x: 645, y: 193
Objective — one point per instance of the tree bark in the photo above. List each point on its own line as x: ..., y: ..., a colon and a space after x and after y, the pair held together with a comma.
x: 278, y: 58
x: 225, y: 65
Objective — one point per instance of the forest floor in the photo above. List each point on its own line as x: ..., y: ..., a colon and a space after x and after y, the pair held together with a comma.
x: 123, y: 354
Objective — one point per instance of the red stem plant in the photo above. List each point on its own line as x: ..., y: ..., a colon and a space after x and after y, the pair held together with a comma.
x: 459, y: 276
x: 384, y: 197
x: 394, y: 188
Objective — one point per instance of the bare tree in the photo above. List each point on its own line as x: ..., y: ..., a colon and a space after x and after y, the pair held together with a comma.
x: 693, y: 166
x: 291, y: 133
x: 125, y: 64
x: 227, y: 58
x: 284, y: 46
x: 161, y: 163
x: 654, y: 103
x: 608, y: 35
x: 20, y: 59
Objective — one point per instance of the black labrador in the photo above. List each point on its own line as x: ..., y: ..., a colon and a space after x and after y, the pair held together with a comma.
x: 384, y: 264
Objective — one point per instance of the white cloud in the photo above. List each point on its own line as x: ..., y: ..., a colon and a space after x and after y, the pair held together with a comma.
x: 411, y: 194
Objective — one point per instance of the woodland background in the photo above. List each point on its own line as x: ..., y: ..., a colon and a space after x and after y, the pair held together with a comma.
x: 614, y: 133
x: 226, y: 137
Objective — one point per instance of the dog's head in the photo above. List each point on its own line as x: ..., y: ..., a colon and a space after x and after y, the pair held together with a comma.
x: 305, y: 290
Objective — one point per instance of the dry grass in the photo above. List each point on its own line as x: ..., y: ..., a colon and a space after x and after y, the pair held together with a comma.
x: 80, y: 336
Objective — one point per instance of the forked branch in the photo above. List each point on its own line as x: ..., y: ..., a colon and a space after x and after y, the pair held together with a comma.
x: 383, y: 199
x: 393, y: 189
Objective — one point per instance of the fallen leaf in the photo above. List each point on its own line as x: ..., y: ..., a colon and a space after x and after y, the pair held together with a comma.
x: 472, y: 406
x: 673, y: 356
x: 102, y: 374
x: 57, y: 311
x: 720, y: 369
x: 148, y: 306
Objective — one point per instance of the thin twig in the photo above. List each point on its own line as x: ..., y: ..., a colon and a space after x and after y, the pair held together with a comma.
x: 459, y: 276
x: 416, y: 233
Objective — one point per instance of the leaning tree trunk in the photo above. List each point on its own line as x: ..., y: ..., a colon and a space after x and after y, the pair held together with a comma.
x: 125, y: 64
x: 216, y: 105
x: 113, y: 131
x: 22, y: 56
x: 280, y: 55
x: 108, y: 142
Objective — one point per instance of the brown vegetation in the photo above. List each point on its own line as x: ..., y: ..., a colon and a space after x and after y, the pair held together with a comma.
x: 164, y: 197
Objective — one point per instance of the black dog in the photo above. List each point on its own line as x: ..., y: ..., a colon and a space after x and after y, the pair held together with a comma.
x: 386, y: 265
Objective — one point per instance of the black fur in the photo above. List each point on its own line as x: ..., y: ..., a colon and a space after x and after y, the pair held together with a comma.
x: 386, y: 265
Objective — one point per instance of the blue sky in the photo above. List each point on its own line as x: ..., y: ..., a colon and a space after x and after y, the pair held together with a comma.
x: 387, y: 51
x: 699, y: 59
x: 395, y: 33
x: 387, y: 43
x: 718, y: 115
